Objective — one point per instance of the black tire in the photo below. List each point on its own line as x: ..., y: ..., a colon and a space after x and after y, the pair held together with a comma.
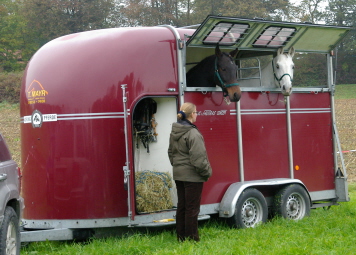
x: 10, y: 233
x: 251, y: 209
x: 292, y: 202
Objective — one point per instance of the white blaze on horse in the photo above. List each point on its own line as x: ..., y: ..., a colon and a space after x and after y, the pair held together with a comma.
x: 278, y: 73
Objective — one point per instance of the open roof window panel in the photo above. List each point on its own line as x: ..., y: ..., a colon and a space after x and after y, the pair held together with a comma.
x: 274, y: 36
x: 226, y: 33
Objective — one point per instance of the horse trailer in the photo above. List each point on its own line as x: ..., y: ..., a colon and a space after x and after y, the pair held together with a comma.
x: 97, y: 108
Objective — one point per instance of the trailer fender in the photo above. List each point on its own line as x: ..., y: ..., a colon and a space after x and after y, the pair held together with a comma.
x: 232, y: 194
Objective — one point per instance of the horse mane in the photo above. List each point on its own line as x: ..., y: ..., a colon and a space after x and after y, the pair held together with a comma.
x: 202, y: 74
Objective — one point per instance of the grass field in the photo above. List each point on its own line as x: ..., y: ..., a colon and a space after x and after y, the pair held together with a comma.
x: 345, y: 91
x: 325, y: 232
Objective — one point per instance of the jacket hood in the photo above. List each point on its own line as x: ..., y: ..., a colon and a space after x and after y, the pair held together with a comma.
x: 178, y: 130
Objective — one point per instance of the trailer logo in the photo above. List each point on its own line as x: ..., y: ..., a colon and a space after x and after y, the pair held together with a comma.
x: 36, y: 93
x: 37, y: 119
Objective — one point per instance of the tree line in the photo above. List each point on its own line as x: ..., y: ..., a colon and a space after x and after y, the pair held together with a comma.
x: 26, y: 25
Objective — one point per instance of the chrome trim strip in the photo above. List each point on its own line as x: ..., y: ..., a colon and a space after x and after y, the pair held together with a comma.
x: 85, y: 116
x: 281, y: 111
x: 260, y: 89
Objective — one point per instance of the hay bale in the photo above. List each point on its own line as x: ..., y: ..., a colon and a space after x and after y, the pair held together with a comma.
x: 153, y: 191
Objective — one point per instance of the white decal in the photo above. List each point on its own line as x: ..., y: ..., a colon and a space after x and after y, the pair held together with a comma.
x: 222, y: 112
x: 49, y: 117
x: 210, y: 112
x: 27, y: 119
x: 37, y: 118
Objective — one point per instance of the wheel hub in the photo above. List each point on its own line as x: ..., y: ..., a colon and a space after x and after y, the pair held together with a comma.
x: 293, y: 207
x: 249, y: 213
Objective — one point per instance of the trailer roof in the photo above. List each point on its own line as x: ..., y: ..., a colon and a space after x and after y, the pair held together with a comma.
x: 251, y: 35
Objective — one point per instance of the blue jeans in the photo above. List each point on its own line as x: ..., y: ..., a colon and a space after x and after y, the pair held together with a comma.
x: 189, y: 196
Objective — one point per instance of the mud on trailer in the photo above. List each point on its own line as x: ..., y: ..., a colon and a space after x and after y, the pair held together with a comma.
x: 85, y: 95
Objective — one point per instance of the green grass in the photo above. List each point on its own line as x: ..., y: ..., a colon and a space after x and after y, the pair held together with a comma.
x: 7, y: 106
x: 330, y: 231
x: 345, y: 91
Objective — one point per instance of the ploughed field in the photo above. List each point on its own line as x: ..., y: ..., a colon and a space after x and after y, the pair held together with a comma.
x: 345, y: 118
x: 346, y: 124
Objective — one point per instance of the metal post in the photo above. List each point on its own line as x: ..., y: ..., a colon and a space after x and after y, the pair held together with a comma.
x: 331, y: 86
x: 336, y: 144
x: 239, y: 137
x: 289, y: 132
x: 126, y: 168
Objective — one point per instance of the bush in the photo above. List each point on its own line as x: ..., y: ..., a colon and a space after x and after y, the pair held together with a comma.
x: 10, y: 85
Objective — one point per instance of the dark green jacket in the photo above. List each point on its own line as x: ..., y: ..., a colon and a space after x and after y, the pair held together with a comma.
x: 187, y: 153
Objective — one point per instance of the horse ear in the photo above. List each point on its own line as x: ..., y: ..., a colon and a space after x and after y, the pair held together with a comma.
x: 291, y: 51
x: 280, y: 51
x: 233, y: 53
x: 217, y: 51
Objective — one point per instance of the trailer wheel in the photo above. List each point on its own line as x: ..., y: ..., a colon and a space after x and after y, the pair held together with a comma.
x: 251, y: 209
x: 10, y: 233
x: 292, y: 202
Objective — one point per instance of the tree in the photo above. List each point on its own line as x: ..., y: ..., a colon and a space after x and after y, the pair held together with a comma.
x: 154, y: 12
x: 277, y: 9
x: 266, y: 9
x: 309, y: 11
x: 343, y: 13
x: 11, y: 37
x: 49, y: 19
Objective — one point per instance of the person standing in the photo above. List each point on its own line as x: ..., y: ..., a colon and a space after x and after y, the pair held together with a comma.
x: 191, y: 168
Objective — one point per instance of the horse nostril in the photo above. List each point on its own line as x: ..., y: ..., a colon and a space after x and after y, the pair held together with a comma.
x: 236, y: 97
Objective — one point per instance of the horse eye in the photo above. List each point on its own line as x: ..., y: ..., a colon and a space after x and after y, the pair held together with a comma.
x: 277, y: 66
x: 292, y: 67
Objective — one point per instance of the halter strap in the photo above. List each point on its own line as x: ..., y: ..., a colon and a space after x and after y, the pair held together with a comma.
x: 223, y: 85
x: 279, y: 79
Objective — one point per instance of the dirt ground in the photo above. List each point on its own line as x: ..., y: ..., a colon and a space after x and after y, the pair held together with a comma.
x: 346, y: 124
x: 345, y: 119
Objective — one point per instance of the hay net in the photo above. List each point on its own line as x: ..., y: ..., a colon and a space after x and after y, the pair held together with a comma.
x: 153, y: 191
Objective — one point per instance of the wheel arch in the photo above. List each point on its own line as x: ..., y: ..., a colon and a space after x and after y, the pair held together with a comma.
x: 232, y: 194
x: 17, y: 205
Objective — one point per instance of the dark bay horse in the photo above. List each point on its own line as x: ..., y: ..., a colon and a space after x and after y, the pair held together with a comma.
x: 218, y: 69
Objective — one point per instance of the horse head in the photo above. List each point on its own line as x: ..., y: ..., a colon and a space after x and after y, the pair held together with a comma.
x: 283, y: 68
x: 226, y: 74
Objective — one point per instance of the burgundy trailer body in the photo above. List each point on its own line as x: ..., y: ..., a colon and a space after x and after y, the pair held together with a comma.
x: 77, y: 79
x: 80, y: 151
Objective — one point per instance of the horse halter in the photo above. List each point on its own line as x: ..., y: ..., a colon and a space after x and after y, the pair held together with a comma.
x: 223, y: 85
x: 279, y: 79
